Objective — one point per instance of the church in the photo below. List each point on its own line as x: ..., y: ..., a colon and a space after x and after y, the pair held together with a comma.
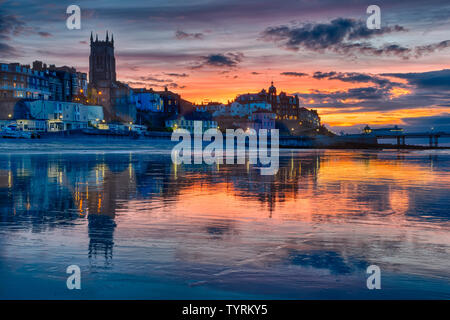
x: 104, y: 89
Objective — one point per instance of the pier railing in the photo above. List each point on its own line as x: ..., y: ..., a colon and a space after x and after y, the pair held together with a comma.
x: 401, y: 138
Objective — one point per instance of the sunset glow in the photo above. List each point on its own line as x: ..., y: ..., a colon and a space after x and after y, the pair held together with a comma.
x: 211, y: 51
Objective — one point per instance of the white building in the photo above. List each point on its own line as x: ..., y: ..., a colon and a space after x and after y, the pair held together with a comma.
x: 188, y: 124
x: 244, y: 110
x: 60, y: 116
x: 32, y: 125
x: 210, y: 107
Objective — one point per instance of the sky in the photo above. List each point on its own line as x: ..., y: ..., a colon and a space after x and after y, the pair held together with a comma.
x: 213, y: 50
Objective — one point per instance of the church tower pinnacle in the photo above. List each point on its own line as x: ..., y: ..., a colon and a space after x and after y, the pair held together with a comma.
x: 102, y: 63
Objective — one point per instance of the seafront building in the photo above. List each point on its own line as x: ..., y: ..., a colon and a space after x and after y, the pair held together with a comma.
x: 188, y: 120
x: 41, y: 82
x: 65, y: 83
x: 52, y: 116
x: 210, y: 107
x: 20, y: 81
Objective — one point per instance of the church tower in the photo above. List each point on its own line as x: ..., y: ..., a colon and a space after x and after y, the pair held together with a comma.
x: 104, y: 89
x: 102, y: 64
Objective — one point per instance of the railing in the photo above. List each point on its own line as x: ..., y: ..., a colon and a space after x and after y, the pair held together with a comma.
x: 401, y: 137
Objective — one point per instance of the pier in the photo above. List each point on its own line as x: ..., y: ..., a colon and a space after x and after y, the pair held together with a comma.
x: 433, y: 137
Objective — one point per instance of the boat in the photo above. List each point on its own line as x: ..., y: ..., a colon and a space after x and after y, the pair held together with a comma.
x: 13, y: 131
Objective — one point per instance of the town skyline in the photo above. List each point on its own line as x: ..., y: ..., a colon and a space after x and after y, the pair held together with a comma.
x: 405, y: 82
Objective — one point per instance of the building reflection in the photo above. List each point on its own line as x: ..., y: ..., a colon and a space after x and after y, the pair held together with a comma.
x: 43, y: 192
x: 46, y: 191
x: 101, y: 238
x: 79, y: 186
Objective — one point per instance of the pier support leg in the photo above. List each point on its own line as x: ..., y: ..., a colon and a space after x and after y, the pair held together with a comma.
x: 398, y: 141
x: 403, y: 141
x: 435, y: 141
x: 431, y: 141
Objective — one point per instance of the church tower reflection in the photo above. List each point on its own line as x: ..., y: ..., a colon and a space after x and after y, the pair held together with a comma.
x: 101, y: 237
x: 113, y: 181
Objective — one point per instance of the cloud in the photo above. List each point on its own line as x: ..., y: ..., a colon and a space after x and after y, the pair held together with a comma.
x: 154, y: 79
x: 357, y: 96
x: 355, y: 77
x: 427, y: 49
x: 227, y: 60
x: 439, y: 80
x: 7, y: 50
x: 44, y: 34
x: 294, y: 74
x: 10, y: 25
x: 423, y: 91
x: 174, y: 85
x: 335, y: 36
x: 344, y: 36
x: 181, y: 35
x: 171, y: 85
x: 438, y: 123
x: 154, y: 56
x: 177, y: 75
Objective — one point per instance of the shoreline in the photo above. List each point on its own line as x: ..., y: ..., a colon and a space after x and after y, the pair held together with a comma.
x: 370, y: 147
x: 165, y: 137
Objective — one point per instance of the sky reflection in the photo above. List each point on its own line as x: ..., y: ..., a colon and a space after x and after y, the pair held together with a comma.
x: 133, y: 219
